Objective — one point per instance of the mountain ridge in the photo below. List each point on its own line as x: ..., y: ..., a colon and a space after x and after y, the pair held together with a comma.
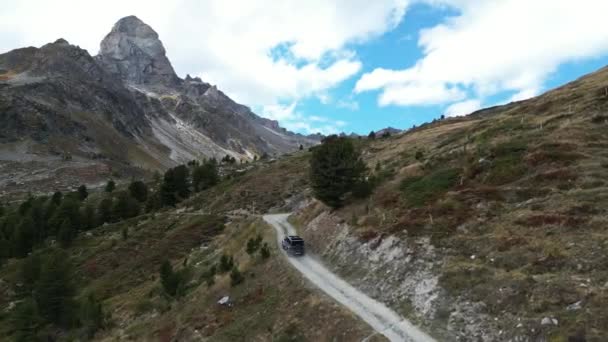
x: 124, y: 108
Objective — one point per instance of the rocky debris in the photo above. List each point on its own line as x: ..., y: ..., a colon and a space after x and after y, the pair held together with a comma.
x: 548, y: 321
x: 399, y: 271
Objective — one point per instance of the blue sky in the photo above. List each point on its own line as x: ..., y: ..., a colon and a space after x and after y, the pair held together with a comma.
x: 347, y: 65
x: 399, y: 49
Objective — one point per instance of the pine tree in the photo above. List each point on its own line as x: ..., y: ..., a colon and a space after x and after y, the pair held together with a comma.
x: 23, y: 238
x: 89, y: 220
x: 26, y: 321
x: 139, y: 191
x: 54, y: 290
x: 226, y: 263
x: 66, y: 234
x: 29, y: 274
x: 125, y: 207
x: 57, y: 197
x: 83, y: 193
x: 182, y: 181
x: 104, y: 211
x: 110, y: 186
x: 91, y: 314
x: 205, y: 175
x: 168, y: 278
x: 371, y: 135
x: 168, y: 189
x: 335, y: 168
x: 236, y: 277
x: 265, y: 251
x: 69, y: 210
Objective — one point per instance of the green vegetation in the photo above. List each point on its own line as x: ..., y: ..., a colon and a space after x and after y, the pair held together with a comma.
x: 110, y: 186
x: 205, y: 176
x: 420, y: 190
x: 336, y: 169
x: 254, y: 244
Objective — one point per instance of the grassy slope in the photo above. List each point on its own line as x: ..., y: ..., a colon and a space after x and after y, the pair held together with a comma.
x: 273, y: 303
x: 529, y: 203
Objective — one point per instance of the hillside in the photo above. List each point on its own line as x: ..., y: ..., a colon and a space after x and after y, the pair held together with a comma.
x: 122, y: 111
x: 490, y: 227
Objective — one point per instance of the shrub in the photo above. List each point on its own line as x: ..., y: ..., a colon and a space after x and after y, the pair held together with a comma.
x: 265, y: 251
x: 226, y: 263
x: 236, y: 277
x: 420, y: 190
x: 254, y: 244
x: 419, y: 155
x: 168, y: 278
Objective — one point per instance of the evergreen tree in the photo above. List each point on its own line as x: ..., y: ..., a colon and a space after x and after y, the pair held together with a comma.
x: 29, y: 273
x: 226, y: 263
x: 265, y: 251
x: 23, y: 238
x: 168, y: 278
x: 57, y: 197
x: 335, y: 168
x: 154, y: 202
x: 91, y: 314
x: 69, y: 210
x: 25, y: 206
x: 182, y: 181
x: 66, y: 234
x: 89, y: 220
x: 371, y: 135
x: 125, y: 207
x: 37, y: 214
x: 236, y: 277
x: 110, y: 186
x: 176, y: 186
x: 83, y: 193
x: 168, y: 189
x: 2, y: 210
x: 104, y: 211
x: 54, y: 290
x: 139, y: 191
x: 301, y: 147
x: 26, y: 321
x: 205, y: 175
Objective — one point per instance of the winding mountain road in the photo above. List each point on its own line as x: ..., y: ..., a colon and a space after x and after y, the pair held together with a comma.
x: 381, y: 318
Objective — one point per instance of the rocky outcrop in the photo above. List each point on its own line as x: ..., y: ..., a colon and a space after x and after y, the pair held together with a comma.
x: 127, y: 105
x: 133, y: 52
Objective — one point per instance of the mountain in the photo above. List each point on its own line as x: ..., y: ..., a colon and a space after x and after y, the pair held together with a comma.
x: 122, y: 111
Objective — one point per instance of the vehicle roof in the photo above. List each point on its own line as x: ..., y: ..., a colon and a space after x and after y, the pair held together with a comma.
x: 295, y: 237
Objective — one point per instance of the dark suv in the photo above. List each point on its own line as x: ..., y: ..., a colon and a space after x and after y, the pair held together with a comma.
x: 293, y: 245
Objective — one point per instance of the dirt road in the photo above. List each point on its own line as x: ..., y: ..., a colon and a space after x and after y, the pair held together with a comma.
x: 381, y: 318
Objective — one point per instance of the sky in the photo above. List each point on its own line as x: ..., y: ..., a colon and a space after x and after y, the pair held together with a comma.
x: 347, y: 65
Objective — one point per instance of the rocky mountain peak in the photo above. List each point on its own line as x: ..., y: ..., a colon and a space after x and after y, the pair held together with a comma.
x: 133, y: 51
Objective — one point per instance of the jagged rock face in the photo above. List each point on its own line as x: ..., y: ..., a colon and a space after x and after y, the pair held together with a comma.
x: 124, y: 109
x: 133, y: 51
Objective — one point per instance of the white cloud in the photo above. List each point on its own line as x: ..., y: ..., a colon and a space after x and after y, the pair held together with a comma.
x: 229, y: 43
x: 294, y: 120
x: 416, y: 94
x: 494, y: 46
x: 462, y: 108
